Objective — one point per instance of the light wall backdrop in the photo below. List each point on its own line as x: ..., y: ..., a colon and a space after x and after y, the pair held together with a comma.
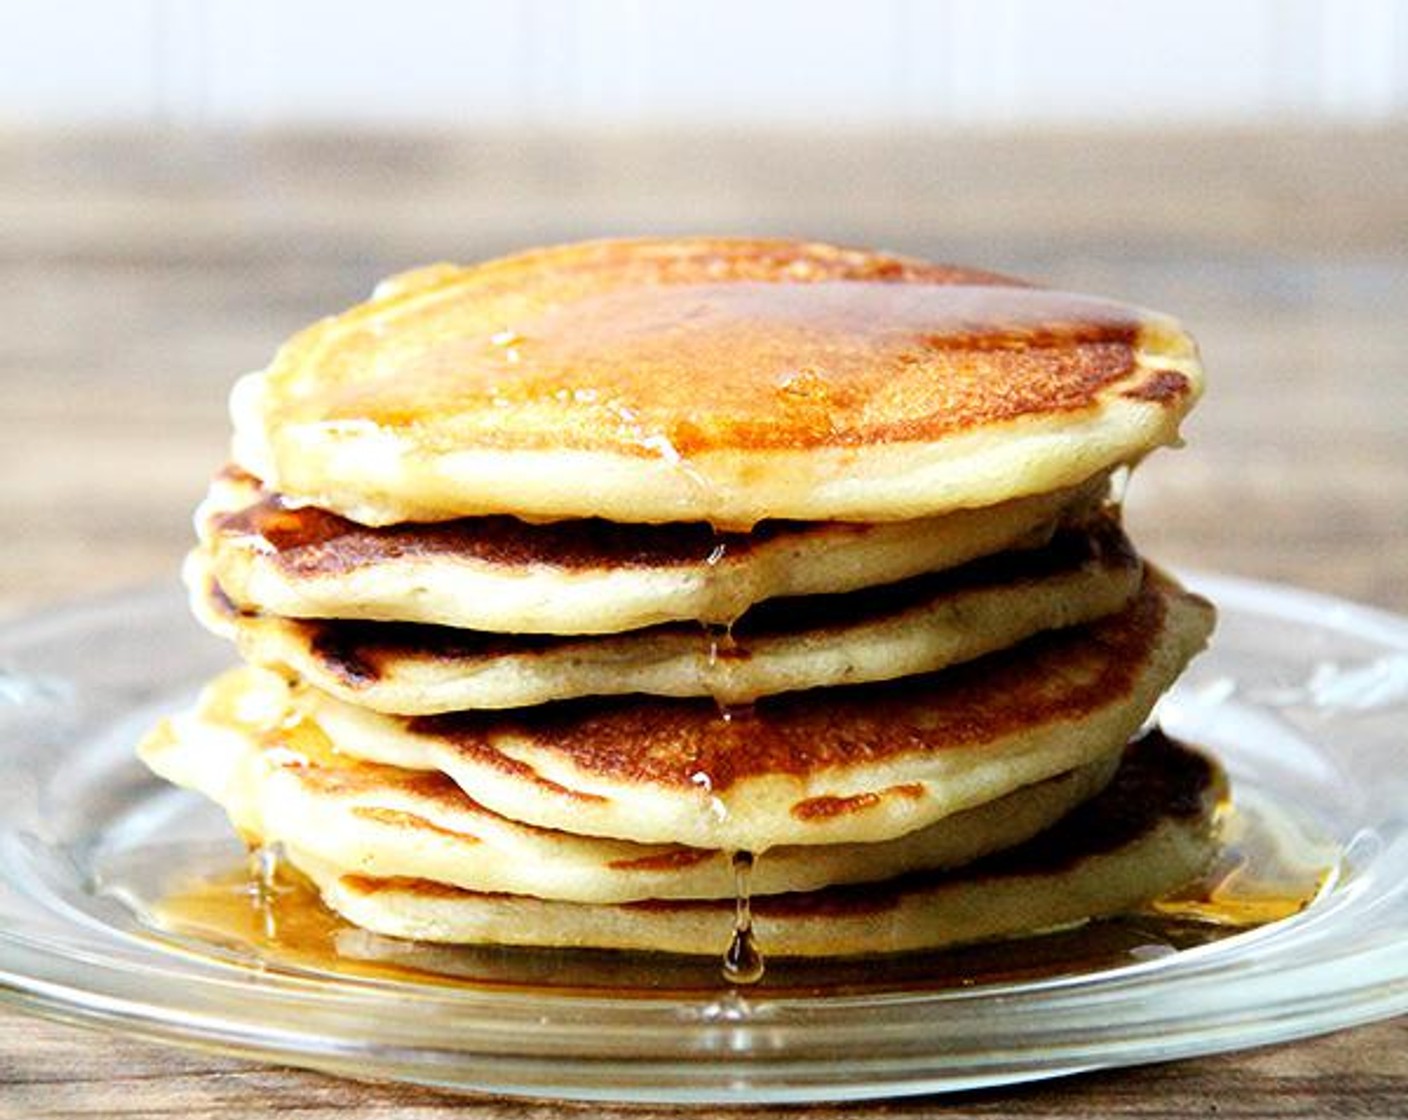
x: 564, y: 62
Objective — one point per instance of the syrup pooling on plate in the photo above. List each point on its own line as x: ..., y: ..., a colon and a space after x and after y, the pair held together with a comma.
x: 224, y: 913
x: 1267, y: 870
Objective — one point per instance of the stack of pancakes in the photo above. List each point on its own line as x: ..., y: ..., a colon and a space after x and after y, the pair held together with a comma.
x: 587, y: 592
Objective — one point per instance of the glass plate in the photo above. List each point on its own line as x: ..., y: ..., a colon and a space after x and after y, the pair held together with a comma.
x: 1304, y: 698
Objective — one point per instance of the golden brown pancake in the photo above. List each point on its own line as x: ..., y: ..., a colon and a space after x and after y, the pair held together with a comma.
x: 578, y: 577
x: 916, y: 626
x: 834, y: 765
x: 1150, y: 832
x: 275, y: 774
x: 724, y: 381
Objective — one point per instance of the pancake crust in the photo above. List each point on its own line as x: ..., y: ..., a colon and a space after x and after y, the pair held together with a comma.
x: 277, y: 777
x: 822, y: 383
x: 917, y: 626
x: 855, y: 764
x: 503, y: 575
x: 1150, y: 832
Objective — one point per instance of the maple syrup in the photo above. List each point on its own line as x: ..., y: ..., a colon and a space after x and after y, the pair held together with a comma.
x: 721, y: 645
x: 1265, y: 872
x: 1270, y: 868
x: 743, y: 960
x: 264, y: 861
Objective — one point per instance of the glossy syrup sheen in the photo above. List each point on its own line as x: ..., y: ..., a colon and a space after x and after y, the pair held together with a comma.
x: 764, y: 365
x: 743, y: 959
x: 1267, y: 872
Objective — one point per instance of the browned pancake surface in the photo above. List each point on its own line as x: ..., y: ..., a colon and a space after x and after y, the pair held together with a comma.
x: 1062, y: 675
x: 306, y: 540
x: 1159, y: 780
x: 358, y: 653
x: 774, y: 345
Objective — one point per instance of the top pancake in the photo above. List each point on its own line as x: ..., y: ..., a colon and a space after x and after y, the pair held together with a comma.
x: 725, y: 381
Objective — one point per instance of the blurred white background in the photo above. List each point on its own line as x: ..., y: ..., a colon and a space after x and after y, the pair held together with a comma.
x: 561, y: 62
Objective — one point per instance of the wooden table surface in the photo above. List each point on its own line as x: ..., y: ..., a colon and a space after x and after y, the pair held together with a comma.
x: 142, y: 273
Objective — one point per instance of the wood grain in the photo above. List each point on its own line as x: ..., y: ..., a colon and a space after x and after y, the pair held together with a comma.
x: 143, y: 272
x: 48, y: 1070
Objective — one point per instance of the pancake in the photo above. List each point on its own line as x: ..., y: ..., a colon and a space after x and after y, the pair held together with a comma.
x: 578, y: 577
x: 277, y: 778
x: 860, y: 764
x: 708, y: 380
x: 917, y: 626
x: 1150, y: 832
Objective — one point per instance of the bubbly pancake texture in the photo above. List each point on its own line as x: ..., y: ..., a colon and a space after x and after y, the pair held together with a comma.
x: 1152, y: 830
x: 504, y: 575
x: 917, y: 626
x: 859, y: 764
x: 719, y: 381
x: 248, y: 748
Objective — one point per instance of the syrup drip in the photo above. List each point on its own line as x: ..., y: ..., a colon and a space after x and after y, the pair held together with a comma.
x: 508, y: 343
x: 736, y: 713
x: 743, y: 960
x: 719, y: 592
x: 655, y: 441
x: 264, y: 870
x: 1119, y: 484
x: 722, y: 646
x: 719, y: 600
x: 705, y: 784
x: 264, y: 888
